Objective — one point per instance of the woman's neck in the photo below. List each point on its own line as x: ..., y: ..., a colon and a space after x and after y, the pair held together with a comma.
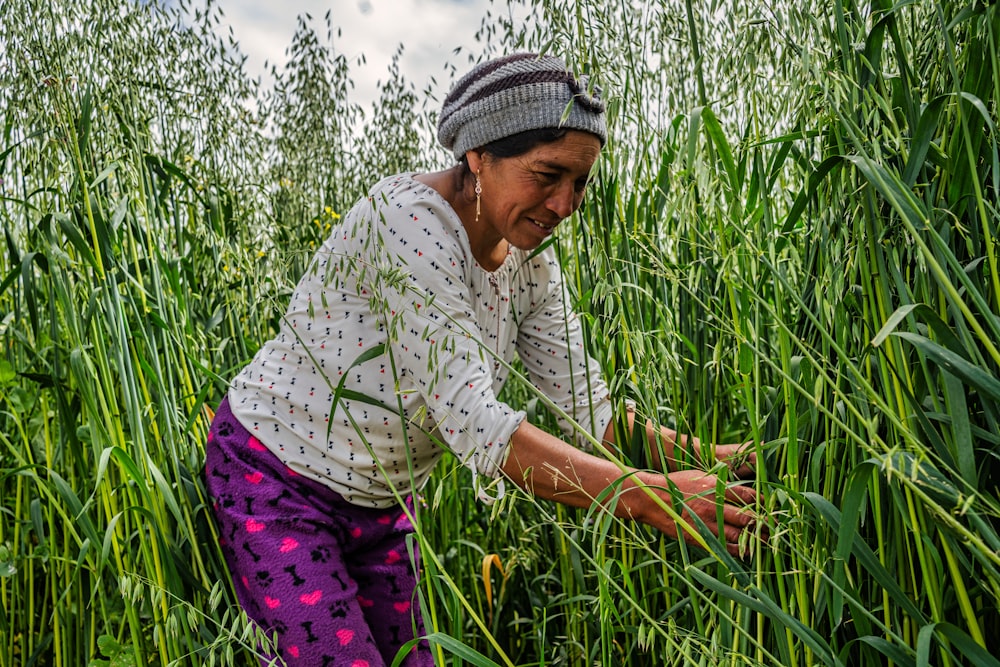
x: 488, y: 247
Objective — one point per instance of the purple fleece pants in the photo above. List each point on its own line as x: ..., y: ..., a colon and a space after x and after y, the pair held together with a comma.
x: 333, y: 579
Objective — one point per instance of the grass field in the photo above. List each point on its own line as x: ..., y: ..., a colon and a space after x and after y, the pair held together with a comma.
x: 791, y: 238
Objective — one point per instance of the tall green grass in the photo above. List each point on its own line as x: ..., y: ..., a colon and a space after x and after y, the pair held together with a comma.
x: 791, y: 238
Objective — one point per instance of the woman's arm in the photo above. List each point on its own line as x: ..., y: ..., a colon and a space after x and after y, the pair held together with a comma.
x: 549, y: 468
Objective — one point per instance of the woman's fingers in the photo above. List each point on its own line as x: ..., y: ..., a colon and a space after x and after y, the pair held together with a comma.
x: 741, y: 458
x: 740, y: 494
x: 703, y: 498
x: 741, y: 517
x: 732, y: 535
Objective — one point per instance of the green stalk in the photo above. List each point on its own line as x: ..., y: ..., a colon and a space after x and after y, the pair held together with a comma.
x: 931, y: 588
x: 55, y: 571
x: 971, y: 155
x: 961, y: 592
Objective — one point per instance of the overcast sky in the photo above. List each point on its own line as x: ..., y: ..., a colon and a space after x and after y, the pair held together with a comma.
x: 430, y: 31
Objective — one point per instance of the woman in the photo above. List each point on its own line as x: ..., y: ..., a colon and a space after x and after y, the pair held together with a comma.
x: 394, y: 347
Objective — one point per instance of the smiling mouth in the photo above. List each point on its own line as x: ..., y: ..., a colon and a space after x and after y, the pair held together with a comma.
x: 540, y: 225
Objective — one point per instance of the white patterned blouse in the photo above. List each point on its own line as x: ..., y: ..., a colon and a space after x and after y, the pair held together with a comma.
x: 395, y: 345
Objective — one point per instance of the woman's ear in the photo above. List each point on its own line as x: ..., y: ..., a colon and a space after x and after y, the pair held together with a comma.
x: 475, y: 160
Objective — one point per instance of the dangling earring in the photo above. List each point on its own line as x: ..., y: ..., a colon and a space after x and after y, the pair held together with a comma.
x: 479, y: 195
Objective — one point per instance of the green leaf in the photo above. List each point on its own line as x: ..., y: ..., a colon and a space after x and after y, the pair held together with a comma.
x: 76, y: 239
x: 925, y: 476
x: 75, y: 507
x: 966, y: 646
x: 340, y: 393
x: 886, y: 648
x: 763, y: 604
x: 866, y: 557
x: 452, y: 645
x: 922, y: 137
x: 7, y: 373
x: 714, y: 131
x: 807, y: 193
x: 7, y: 567
x: 971, y: 374
x: 854, y: 496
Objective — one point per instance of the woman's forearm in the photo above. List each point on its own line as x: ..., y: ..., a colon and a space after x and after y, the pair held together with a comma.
x: 549, y: 468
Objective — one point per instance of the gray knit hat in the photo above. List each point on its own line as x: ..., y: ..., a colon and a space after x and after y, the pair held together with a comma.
x: 516, y: 93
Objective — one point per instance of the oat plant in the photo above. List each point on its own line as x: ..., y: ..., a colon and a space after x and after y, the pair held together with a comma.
x: 790, y: 239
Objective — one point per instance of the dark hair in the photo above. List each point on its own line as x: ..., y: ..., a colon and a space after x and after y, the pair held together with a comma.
x: 522, y: 142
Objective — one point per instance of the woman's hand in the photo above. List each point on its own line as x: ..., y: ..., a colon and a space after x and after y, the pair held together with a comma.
x: 740, y: 459
x: 700, y: 494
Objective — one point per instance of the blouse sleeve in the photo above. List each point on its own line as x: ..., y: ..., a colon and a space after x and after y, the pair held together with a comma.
x: 433, y: 339
x: 551, y: 347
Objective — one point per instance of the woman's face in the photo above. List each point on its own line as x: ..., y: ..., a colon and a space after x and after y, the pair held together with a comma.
x: 525, y: 197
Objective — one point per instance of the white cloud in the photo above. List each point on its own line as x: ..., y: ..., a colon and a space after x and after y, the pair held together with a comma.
x: 430, y: 31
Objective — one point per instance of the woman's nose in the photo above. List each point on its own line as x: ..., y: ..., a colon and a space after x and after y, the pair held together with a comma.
x: 563, y: 202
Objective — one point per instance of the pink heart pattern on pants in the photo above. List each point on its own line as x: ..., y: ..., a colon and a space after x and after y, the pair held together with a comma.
x: 311, y: 598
